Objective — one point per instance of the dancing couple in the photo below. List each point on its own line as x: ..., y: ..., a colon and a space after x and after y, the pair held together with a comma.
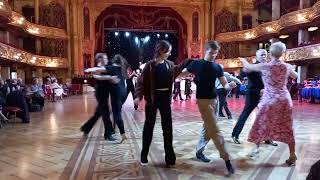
x: 110, y: 80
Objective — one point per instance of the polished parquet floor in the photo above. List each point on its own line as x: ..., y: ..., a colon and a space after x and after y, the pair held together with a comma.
x: 51, y: 146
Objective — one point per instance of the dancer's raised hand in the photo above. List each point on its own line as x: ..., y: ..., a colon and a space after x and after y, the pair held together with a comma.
x: 136, y: 101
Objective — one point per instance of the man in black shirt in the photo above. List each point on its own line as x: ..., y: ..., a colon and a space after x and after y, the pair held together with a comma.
x: 206, y: 72
x: 254, y: 91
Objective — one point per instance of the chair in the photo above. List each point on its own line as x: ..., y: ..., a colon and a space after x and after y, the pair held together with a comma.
x: 11, y: 110
x: 75, y: 89
x: 48, y: 92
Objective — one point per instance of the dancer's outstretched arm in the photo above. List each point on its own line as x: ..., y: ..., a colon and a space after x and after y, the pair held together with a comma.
x: 112, y: 79
x: 95, y: 69
x: 251, y: 67
x: 182, y: 66
x: 293, y: 74
x: 225, y: 83
x: 139, y: 89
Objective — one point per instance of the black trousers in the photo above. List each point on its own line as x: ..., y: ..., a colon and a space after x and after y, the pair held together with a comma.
x: 252, y: 100
x: 130, y: 88
x: 222, y: 93
x: 117, y: 99
x: 162, y: 101
x: 177, y: 91
x: 102, y: 109
x: 38, y: 100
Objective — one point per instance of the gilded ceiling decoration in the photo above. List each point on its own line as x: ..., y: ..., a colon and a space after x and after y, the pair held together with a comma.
x: 288, y: 20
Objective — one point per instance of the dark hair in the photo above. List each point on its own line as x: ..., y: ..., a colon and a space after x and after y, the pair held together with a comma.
x: 213, y: 45
x: 161, y: 46
x: 119, y: 60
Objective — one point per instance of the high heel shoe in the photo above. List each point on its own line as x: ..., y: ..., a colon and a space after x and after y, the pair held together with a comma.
x: 123, y: 138
x: 291, y: 161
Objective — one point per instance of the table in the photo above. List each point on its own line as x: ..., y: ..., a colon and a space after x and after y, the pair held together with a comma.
x: 310, y: 92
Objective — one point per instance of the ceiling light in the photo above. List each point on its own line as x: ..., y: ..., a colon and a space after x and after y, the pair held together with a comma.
x: 313, y: 28
x: 283, y: 36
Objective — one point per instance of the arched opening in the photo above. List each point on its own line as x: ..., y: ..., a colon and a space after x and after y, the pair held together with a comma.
x: 141, y: 19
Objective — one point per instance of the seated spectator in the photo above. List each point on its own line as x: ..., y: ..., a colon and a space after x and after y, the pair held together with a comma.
x: 38, y: 94
x: 13, y: 85
x: 17, y: 99
x: 21, y: 86
x: 4, y: 91
x: 57, y: 89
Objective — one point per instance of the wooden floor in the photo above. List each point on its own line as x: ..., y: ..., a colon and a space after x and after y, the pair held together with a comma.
x: 51, y: 146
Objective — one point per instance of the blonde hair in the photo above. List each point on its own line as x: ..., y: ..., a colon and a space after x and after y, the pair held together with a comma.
x: 277, y: 49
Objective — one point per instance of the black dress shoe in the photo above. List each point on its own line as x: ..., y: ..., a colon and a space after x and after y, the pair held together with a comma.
x: 202, y: 157
x: 109, y: 138
x: 229, y: 167
x: 229, y: 117
x: 144, y: 161
x: 221, y: 115
x: 270, y: 142
x: 170, y: 165
x: 85, y: 132
x: 236, y: 140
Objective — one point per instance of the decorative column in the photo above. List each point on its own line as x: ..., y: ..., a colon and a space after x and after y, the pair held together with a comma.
x: 240, y: 15
x: 69, y: 73
x: 302, y: 73
x: 276, y: 9
x: 303, y: 35
x: 39, y: 74
x: 5, y: 73
x: 37, y: 17
x: 74, y: 38
x: 304, y: 4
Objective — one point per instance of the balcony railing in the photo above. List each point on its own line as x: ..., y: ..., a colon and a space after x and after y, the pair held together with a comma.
x: 20, y: 56
x: 296, y: 54
x: 303, y: 16
x: 17, y: 20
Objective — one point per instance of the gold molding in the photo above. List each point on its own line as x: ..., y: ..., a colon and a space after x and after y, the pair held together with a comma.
x: 288, y: 20
x: 292, y: 55
x: 17, y: 20
x: 303, y: 53
x: 19, y: 56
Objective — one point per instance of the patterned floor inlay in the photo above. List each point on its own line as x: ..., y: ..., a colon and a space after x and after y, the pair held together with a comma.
x: 51, y: 146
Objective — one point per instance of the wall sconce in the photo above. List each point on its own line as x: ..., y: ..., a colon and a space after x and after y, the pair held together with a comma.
x: 269, y: 29
x: 248, y: 35
x: 33, y: 60
x: 20, y: 20
x: 316, y: 52
x: 301, y: 17
x: 33, y: 30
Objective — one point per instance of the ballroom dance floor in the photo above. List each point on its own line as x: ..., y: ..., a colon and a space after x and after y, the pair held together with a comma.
x: 52, y: 147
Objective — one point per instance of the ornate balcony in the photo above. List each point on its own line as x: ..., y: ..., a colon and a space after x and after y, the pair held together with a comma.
x: 16, y: 55
x: 17, y: 20
x: 303, y: 16
x: 296, y: 54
